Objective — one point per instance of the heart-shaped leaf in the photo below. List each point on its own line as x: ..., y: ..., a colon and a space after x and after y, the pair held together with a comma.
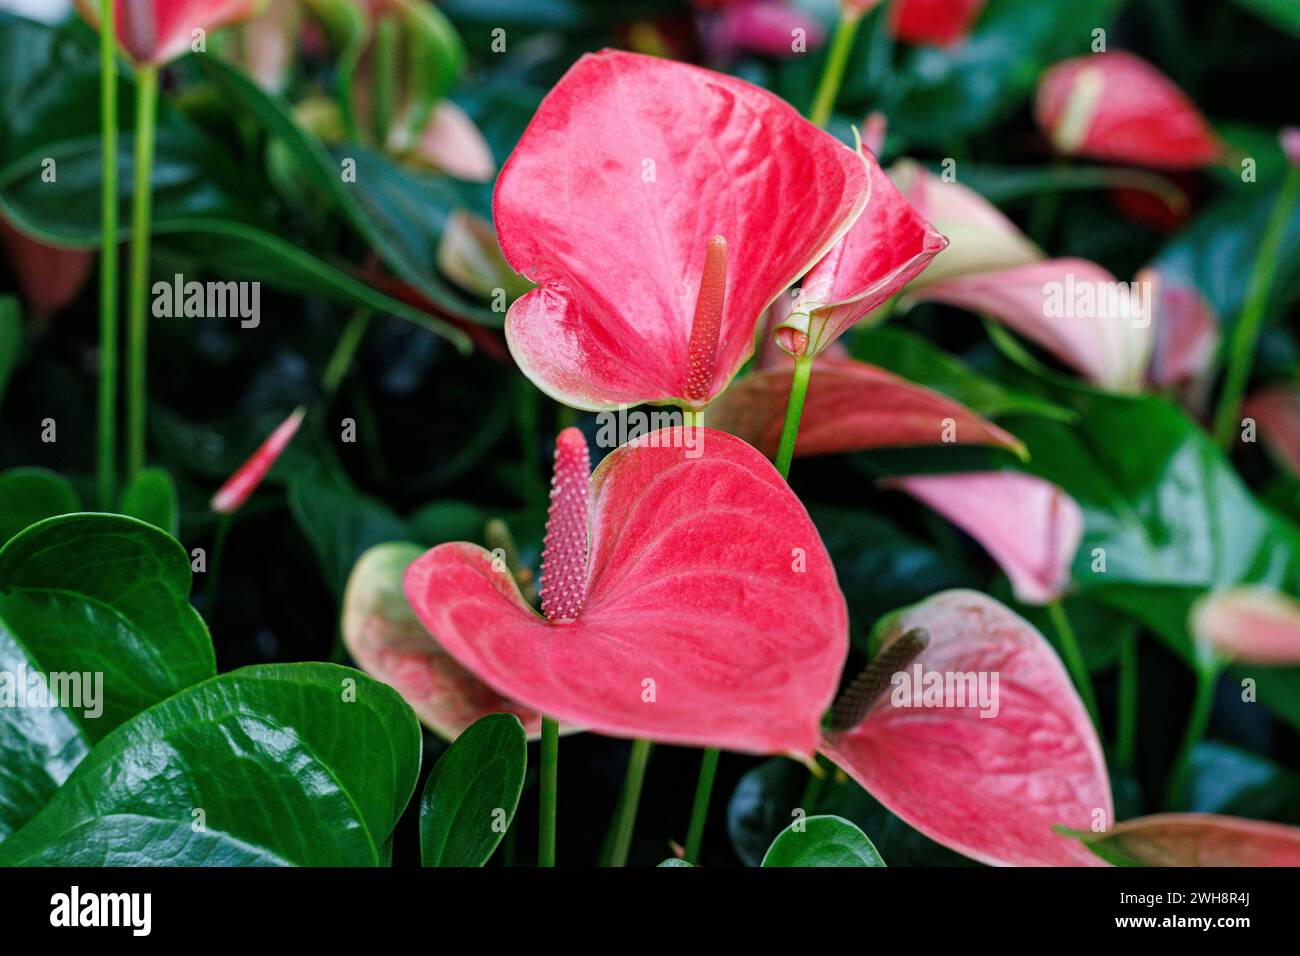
x: 28, y: 495
x: 151, y: 497
x: 711, y: 618
x: 1196, y: 839
x: 851, y: 406
x: 472, y: 792
x: 385, y: 637
x: 982, y: 743
x: 822, y: 841
x: 307, y: 764
x: 98, y: 605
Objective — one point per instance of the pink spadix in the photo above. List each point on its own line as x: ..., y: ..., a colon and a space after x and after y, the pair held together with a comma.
x: 707, y: 323
x: 564, y: 554
x: 231, y: 496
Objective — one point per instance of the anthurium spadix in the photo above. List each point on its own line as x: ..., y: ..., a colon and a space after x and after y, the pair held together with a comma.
x: 687, y: 598
x: 1029, y: 526
x: 1117, y: 106
x: 660, y: 208
x: 159, y: 31
x: 888, y: 245
x: 970, y: 730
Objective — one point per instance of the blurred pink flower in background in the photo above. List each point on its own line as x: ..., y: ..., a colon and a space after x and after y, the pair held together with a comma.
x: 49, y: 277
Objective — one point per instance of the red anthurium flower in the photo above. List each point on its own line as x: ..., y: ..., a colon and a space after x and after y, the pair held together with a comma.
x: 851, y: 406
x: 49, y: 277
x: 1072, y: 307
x: 1276, y: 411
x: 231, y: 496
x: 937, y: 22
x: 661, y: 208
x: 1029, y: 526
x: 1117, y: 106
x: 889, y: 244
x: 384, y: 636
x: 159, y: 31
x: 1197, y: 839
x: 688, y: 600
x: 989, y: 771
x: 1186, y: 333
x: 1253, y: 624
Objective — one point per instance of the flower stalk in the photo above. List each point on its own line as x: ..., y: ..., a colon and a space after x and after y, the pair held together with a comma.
x: 828, y: 87
x: 146, y: 114
x: 106, y: 457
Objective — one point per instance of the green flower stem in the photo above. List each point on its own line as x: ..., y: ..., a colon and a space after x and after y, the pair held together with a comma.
x: 214, y: 565
x: 700, y: 808
x: 385, y: 77
x: 793, y: 412
x: 1126, y: 722
x: 106, y: 459
x: 1074, y: 659
x: 146, y: 113
x: 837, y: 59
x: 550, y: 756
x: 1246, y: 332
x: 1207, y: 675
x: 625, y: 821
x: 345, y: 351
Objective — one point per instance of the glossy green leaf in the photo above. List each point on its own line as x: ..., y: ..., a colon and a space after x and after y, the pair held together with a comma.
x: 28, y: 495
x: 1283, y: 14
x: 341, y: 523
x: 674, y: 861
x: 822, y: 841
x: 151, y: 496
x: 308, y: 764
x: 916, y: 359
x: 105, y: 597
x: 472, y: 792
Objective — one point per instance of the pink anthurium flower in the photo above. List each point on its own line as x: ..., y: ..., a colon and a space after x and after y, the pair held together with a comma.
x: 1117, y: 106
x: 992, y: 771
x: 937, y: 22
x: 851, y: 406
x: 450, y: 142
x: 384, y: 636
x: 1252, y: 624
x: 687, y: 599
x: 49, y: 277
x: 889, y: 244
x: 1029, y: 526
x: 767, y: 27
x: 1073, y: 308
x: 230, y: 497
x: 1196, y: 839
x: 1186, y: 333
x: 661, y: 208
x: 1276, y: 411
x: 159, y: 31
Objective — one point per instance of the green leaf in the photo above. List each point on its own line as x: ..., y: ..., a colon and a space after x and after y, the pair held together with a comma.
x: 101, y: 596
x: 472, y: 792
x: 674, y: 861
x: 1237, y: 783
x: 822, y: 841
x: 151, y: 497
x: 913, y: 357
x: 308, y: 764
x: 1283, y: 14
x: 341, y: 523
x: 11, y: 341
x: 28, y: 495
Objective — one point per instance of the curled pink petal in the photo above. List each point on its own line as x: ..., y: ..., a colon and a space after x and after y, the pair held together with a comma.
x: 937, y: 22
x: 453, y: 144
x: 1119, y: 107
x: 1253, y: 624
x: 989, y: 773
x: 1186, y: 333
x: 696, y: 541
x: 630, y: 166
x: 888, y: 246
x: 231, y: 496
x: 1029, y: 526
x: 49, y: 277
x: 851, y: 406
x: 1073, y: 308
x: 387, y: 640
x: 1276, y: 411
x: 1197, y: 839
